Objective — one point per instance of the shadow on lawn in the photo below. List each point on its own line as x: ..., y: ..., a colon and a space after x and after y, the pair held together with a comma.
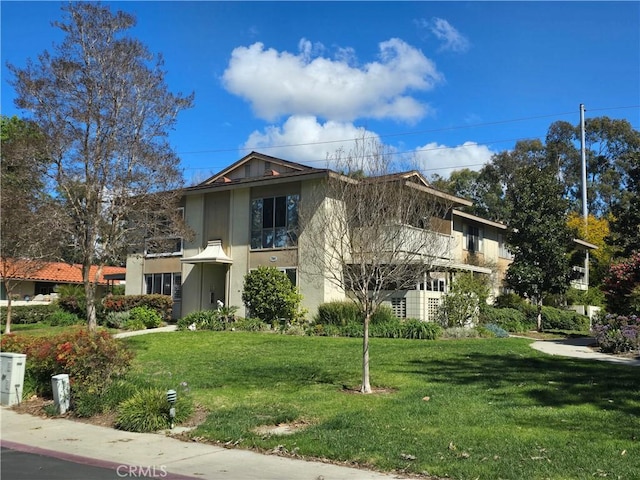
x: 548, y: 381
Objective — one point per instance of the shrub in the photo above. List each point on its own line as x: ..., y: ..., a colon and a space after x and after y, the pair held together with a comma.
x: 24, y: 314
x: 202, y: 320
x: 461, y: 306
x: 461, y: 332
x: 117, y: 319
x: 622, y: 286
x: 509, y: 319
x: 148, y: 411
x: 87, y: 405
x: 554, y: 318
x: 149, y: 318
x: 418, y: 329
x: 269, y: 295
x: 383, y: 314
x: 337, y: 313
x: 250, y: 325
x: 92, y: 361
x: 617, y: 333
x: 134, y: 324
x: 162, y: 304
x: 352, y: 329
x: 391, y: 328
x: 495, y: 330
x: 72, y: 299
x: 60, y: 318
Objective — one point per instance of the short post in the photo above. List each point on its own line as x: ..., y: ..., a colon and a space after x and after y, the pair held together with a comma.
x: 172, y: 397
x: 61, y: 392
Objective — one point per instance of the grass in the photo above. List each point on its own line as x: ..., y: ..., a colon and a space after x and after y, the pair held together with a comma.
x: 496, y: 408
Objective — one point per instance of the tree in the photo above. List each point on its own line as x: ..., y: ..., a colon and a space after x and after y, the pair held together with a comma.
x: 25, y: 219
x: 369, y: 232
x: 269, y: 295
x: 612, y: 149
x: 101, y: 101
x: 595, y: 231
x: 622, y: 286
x: 625, y: 227
x: 538, y: 235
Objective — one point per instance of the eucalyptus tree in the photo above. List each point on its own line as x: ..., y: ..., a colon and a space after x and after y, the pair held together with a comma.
x: 101, y: 100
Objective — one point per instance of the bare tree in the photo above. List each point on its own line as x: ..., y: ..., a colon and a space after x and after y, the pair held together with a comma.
x: 373, y: 231
x: 102, y: 102
x: 25, y: 216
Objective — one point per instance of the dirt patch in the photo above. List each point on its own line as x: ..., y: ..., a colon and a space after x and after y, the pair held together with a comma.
x: 280, y: 429
x: 42, y: 407
x: 34, y: 406
x: 374, y: 390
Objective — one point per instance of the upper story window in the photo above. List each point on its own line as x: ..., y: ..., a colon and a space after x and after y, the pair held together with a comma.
x: 158, y: 243
x: 503, y: 251
x: 274, y: 222
x: 473, y: 238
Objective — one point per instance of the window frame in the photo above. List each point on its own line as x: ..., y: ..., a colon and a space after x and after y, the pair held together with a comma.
x: 174, y: 253
x: 151, y: 280
x: 274, y: 222
x: 468, y: 237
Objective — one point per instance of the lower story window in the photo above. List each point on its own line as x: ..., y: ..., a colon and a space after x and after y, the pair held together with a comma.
x: 164, y: 284
x: 399, y: 307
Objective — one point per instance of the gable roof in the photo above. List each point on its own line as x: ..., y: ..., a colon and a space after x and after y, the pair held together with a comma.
x: 285, y: 170
x: 55, y: 272
x: 222, y: 176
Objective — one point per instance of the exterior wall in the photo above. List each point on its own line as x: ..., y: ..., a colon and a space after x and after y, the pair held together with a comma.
x: 135, y: 277
x: 314, y: 284
x: 239, y: 241
x: 192, y: 274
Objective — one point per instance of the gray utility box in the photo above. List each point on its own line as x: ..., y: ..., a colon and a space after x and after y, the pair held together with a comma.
x: 12, y: 366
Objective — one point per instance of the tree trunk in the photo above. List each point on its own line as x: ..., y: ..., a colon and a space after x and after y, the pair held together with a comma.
x: 539, y: 318
x: 7, y: 327
x: 90, y: 294
x: 366, y: 386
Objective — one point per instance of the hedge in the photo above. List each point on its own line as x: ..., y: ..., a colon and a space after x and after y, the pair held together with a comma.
x: 163, y: 304
x: 28, y: 313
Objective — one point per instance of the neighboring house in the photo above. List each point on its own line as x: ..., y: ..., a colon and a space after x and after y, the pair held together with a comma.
x: 43, y: 279
x: 246, y: 216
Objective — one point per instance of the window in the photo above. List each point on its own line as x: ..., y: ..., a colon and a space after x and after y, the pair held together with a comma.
x: 473, y: 238
x: 274, y: 222
x: 159, y: 244
x: 503, y: 251
x: 399, y: 307
x: 164, y: 284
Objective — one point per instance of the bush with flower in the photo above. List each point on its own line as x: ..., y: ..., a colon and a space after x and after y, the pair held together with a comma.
x: 617, y: 333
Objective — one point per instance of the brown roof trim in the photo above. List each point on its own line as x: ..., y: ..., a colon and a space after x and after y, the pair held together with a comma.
x: 468, y: 216
x: 251, y: 156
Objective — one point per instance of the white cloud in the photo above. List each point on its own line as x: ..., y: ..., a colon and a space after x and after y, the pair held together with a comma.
x: 306, y: 140
x: 441, y: 159
x: 451, y: 39
x: 281, y: 83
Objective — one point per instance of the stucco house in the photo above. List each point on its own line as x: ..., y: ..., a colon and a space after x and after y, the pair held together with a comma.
x: 40, y: 279
x: 246, y: 216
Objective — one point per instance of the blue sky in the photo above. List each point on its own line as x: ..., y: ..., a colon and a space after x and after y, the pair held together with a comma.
x: 444, y: 84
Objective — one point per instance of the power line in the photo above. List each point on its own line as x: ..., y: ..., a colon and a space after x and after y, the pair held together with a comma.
x: 416, y: 132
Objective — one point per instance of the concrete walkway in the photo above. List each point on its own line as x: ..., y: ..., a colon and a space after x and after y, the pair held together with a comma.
x: 580, y: 348
x: 170, y: 459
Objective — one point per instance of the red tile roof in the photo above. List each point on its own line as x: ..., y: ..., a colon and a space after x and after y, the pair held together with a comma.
x: 53, y: 271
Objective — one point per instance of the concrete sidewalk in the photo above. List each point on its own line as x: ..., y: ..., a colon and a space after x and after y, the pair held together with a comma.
x: 580, y: 348
x: 158, y: 456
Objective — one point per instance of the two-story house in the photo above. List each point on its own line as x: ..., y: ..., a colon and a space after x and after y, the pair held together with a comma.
x: 247, y: 215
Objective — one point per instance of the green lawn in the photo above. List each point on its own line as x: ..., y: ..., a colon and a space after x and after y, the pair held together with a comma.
x: 497, y: 409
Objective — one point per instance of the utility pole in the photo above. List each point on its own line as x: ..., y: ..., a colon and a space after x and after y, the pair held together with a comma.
x: 585, y: 212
